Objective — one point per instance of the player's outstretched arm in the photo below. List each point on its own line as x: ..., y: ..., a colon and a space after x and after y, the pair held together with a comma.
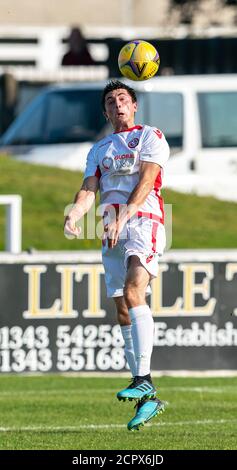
x: 83, y: 201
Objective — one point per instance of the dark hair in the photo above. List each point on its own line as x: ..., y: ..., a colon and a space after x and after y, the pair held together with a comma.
x: 116, y: 85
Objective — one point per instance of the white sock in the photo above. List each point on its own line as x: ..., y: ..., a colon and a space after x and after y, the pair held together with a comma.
x: 128, y: 348
x: 142, y: 335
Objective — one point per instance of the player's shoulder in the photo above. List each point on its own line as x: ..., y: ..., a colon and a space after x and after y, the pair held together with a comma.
x: 152, y: 133
x: 102, y: 142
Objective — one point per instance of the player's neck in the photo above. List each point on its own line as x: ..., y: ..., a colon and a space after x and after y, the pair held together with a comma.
x: 123, y: 126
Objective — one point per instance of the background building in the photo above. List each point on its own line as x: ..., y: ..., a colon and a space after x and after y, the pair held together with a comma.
x: 151, y: 13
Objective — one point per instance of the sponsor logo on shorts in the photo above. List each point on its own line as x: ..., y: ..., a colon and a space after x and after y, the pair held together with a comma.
x: 133, y: 143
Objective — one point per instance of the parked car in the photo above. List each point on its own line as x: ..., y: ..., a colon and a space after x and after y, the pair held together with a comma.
x: 196, y: 113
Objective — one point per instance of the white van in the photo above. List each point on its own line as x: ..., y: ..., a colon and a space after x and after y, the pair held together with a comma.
x: 198, y: 115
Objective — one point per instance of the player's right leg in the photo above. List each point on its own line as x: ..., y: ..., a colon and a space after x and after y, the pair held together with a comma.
x: 125, y: 325
x: 115, y: 272
x: 139, y: 389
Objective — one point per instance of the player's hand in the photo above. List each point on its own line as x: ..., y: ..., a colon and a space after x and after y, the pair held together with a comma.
x: 71, y: 228
x: 112, y: 230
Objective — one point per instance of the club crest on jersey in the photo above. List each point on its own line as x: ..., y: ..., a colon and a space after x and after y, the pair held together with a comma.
x: 133, y: 143
x: 107, y: 162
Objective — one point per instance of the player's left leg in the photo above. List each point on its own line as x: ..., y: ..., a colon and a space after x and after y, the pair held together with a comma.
x: 136, y: 283
x: 146, y: 410
x: 126, y: 327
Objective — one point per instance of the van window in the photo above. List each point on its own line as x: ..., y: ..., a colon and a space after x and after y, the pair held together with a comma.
x: 62, y: 116
x: 165, y: 111
x: 30, y: 129
x: 73, y: 116
x: 218, y: 118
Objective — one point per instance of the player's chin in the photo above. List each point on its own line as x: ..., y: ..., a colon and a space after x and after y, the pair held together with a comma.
x: 121, y: 119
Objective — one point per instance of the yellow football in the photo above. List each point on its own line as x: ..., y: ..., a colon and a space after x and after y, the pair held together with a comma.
x: 138, y: 60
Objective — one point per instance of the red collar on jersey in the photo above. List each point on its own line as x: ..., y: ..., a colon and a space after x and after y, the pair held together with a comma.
x: 130, y: 129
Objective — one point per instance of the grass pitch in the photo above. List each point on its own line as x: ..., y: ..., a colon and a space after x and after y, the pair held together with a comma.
x: 46, y: 191
x: 77, y: 413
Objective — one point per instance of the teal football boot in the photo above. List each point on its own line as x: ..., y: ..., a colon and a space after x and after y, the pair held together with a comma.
x: 139, y: 389
x: 146, y: 410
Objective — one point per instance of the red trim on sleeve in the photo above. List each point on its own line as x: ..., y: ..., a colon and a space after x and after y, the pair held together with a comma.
x: 157, y: 186
x: 158, y: 181
x: 161, y: 203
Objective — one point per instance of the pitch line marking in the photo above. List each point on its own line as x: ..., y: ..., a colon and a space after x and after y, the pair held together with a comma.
x: 109, y: 426
x: 225, y: 389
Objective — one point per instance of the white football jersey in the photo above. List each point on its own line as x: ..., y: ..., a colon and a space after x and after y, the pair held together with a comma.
x: 115, y: 161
